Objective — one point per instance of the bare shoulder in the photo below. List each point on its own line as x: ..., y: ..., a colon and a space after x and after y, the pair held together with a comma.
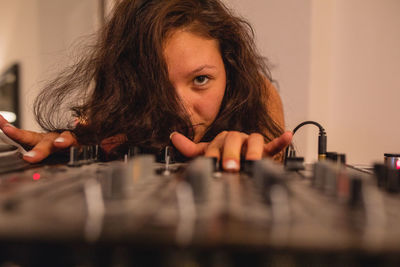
x: 274, y: 104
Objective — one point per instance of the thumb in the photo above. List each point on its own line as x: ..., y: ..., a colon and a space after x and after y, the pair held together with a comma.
x: 278, y: 144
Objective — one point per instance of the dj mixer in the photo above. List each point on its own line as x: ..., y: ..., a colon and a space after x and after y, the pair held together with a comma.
x: 146, y: 212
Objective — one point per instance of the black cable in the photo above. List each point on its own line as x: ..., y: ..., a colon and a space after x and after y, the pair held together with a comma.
x: 322, y: 139
x: 321, y: 129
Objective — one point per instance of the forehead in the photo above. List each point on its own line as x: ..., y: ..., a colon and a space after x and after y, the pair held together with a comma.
x: 185, y: 49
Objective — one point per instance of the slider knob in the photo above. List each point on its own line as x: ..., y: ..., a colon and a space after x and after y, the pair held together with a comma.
x: 393, y: 180
x: 74, y: 157
x: 267, y: 175
x: 247, y: 166
x: 115, y: 183
x: 355, y: 197
x: 387, y: 178
x: 122, y: 178
x: 325, y: 176
x: 381, y: 173
x: 198, y: 174
x: 320, y: 172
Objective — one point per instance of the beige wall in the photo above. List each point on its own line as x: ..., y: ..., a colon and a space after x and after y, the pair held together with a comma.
x: 336, y: 61
x: 19, y: 42
x: 355, y: 76
x: 38, y: 35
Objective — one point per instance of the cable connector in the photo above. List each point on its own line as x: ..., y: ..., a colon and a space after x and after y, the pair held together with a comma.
x: 322, y: 142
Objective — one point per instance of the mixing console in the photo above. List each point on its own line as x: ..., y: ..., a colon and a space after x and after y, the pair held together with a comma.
x: 139, y: 211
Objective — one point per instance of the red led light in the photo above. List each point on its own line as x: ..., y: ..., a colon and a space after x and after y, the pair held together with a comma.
x: 398, y: 164
x: 36, y: 176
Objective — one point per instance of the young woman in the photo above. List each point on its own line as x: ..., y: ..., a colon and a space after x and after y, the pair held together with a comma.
x: 180, y: 71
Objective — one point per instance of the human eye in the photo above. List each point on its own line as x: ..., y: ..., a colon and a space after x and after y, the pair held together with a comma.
x: 201, y: 80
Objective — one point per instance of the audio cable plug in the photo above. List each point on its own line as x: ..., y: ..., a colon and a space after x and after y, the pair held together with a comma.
x: 290, y: 154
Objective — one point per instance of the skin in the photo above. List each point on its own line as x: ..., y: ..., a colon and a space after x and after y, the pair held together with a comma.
x: 196, y: 70
x: 41, y: 144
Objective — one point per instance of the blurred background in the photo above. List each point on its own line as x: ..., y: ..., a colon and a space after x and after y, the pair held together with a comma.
x: 336, y: 62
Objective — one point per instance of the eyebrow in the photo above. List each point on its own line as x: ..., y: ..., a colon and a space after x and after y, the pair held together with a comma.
x: 202, y: 67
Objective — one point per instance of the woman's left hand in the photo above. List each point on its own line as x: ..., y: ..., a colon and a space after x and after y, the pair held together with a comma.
x: 230, y: 145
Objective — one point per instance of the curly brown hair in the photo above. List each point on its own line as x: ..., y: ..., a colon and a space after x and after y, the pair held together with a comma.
x: 121, y: 85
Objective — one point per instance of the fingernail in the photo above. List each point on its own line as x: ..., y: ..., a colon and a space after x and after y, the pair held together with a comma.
x: 170, y: 136
x: 231, y: 165
x: 30, y: 154
x: 59, y: 140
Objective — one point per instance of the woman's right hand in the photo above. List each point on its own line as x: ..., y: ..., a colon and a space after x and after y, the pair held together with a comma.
x: 41, y: 145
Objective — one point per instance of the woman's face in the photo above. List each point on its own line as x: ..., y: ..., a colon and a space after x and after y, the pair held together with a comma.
x: 197, y: 72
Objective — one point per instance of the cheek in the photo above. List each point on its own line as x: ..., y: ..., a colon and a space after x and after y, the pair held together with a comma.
x: 208, y: 105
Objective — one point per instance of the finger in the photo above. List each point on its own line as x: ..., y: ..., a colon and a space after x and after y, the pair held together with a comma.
x: 22, y: 137
x: 65, y: 140
x: 255, y: 147
x: 186, y: 146
x: 232, y: 148
x: 42, y: 149
x: 215, y: 147
x: 278, y: 144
